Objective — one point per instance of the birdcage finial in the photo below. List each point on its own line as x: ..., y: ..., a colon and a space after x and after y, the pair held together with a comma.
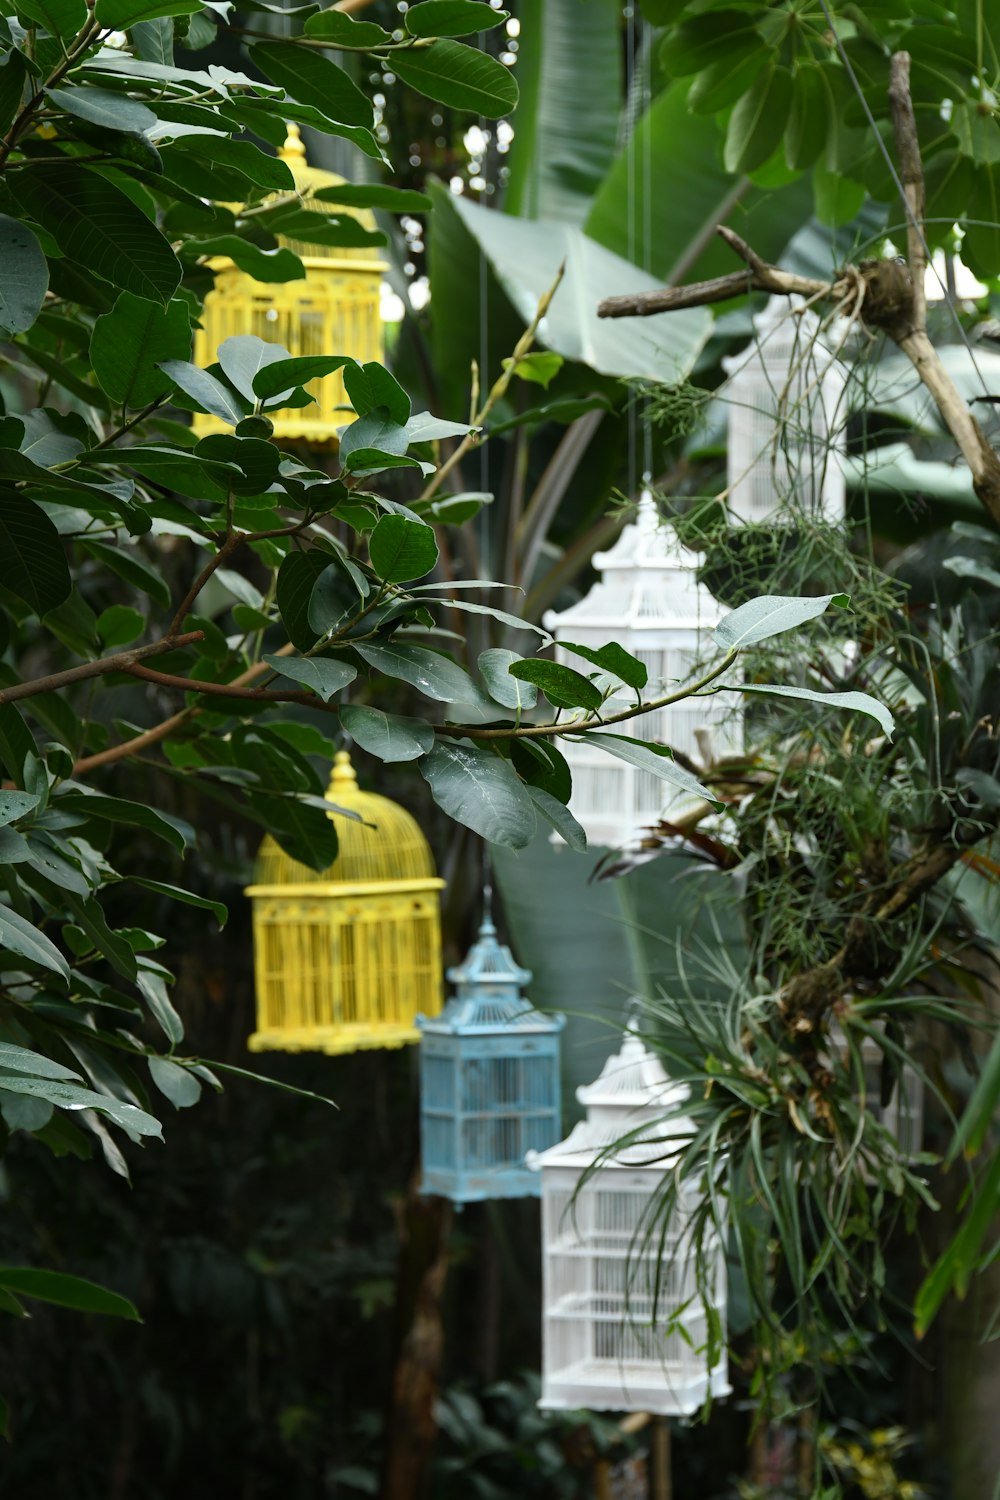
x: 344, y: 774
x: 487, y: 927
x: 294, y: 148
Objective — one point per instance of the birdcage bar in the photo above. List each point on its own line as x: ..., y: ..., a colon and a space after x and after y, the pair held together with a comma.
x: 625, y: 1320
x: 347, y: 957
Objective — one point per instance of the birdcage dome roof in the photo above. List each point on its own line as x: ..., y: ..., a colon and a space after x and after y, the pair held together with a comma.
x: 384, y: 843
x: 648, y: 580
x: 631, y: 1097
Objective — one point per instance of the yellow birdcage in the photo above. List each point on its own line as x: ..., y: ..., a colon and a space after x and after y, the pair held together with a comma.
x: 335, y: 310
x: 346, y: 958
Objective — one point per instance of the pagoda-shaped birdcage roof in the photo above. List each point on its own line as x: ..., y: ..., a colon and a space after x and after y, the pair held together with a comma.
x: 648, y: 580
x: 631, y: 1100
x: 488, y: 994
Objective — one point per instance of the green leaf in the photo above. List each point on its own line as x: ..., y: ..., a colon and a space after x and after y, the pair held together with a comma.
x: 838, y: 199
x: 726, y: 80
x: 862, y: 703
x: 210, y: 394
x: 704, y: 40
x: 119, y: 15
x: 21, y: 937
x: 375, y: 432
x: 20, y: 1060
x: 423, y: 428
x: 15, y: 805
x: 154, y: 991
x: 336, y: 27
x: 654, y: 758
x: 481, y: 790
x: 981, y: 244
x: 808, y: 118
x: 452, y: 18
x: 458, y: 76
x: 495, y: 665
x: 759, y: 120
x: 102, y: 107
x: 389, y: 736
x: 285, y: 375
x: 179, y: 893
x: 297, y: 577
x: 559, y: 816
x: 324, y: 675
x: 238, y: 156
x: 98, y: 226
x: 257, y: 462
x: 371, y: 385
x: 435, y: 676
x: 310, y: 79
x: 401, y: 549
x: 305, y: 833
x: 770, y: 615
x: 278, y: 265
x: 32, y: 557
x: 243, y: 356
x: 526, y: 258
x: 63, y: 18
x: 177, y: 1084
x: 613, y: 658
x: 538, y: 368
x: 74, y: 1096
x: 563, y: 687
x: 66, y: 1291
x: 154, y: 40
x: 133, y: 814
x: 25, y: 277
x: 371, y: 194
x: 516, y: 622
x: 128, y: 344
x: 560, y: 153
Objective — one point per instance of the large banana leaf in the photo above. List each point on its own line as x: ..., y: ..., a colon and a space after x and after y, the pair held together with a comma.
x: 673, y: 159
x: 561, y: 151
x: 526, y: 255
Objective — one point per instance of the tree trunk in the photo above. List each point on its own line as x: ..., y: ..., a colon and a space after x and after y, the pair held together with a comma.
x: 423, y: 1269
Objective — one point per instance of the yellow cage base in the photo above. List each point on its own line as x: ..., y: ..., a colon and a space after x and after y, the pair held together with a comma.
x: 332, y: 1039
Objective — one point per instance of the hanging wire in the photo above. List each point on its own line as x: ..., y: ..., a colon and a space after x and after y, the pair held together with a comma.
x: 897, y: 183
x: 485, y: 538
x: 628, y: 12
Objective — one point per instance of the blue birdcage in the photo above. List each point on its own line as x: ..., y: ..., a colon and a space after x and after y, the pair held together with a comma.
x: 489, y: 1080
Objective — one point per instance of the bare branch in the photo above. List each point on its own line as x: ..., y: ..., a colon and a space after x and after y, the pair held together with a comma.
x: 911, y: 170
x: 121, y: 662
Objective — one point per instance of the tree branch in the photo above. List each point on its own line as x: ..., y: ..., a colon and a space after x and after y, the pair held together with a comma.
x: 162, y: 730
x: 228, y: 689
x: 911, y: 171
x: 123, y: 661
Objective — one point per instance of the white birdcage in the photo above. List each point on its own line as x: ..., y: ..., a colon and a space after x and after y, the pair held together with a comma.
x: 902, y: 1115
x: 625, y: 1327
x: 649, y: 601
x: 785, y: 424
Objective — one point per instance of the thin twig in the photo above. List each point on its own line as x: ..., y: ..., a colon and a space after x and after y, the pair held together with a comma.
x: 544, y: 731
x: 497, y: 390
x: 227, y: 689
